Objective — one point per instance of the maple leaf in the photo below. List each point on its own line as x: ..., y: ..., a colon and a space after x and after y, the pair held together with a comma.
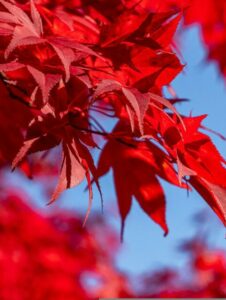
x: 26, y: 32
x: 72, y: 172
x: 215, y: 195
x: 30, y: 32
x: 132, y: 105
x: 139, y: 102
x: 139, y: 164
x: 198, y: 158
x: 130, y: 20
x: 145, y: 188
x: 44, y: 133
x: 46, y: 82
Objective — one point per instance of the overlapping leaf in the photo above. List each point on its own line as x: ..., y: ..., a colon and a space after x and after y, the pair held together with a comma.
x: 66, y: 67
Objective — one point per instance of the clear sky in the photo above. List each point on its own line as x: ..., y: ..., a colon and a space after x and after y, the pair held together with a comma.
x: 144, y: 246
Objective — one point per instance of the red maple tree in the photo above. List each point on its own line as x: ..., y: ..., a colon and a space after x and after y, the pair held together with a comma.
x: 67, y: 67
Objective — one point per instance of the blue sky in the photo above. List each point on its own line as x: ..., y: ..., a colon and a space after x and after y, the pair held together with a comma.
x: 144, y: 246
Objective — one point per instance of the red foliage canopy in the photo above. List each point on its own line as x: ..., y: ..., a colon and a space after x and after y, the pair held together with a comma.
x: 50, y: 256
x: 68, y: 66
x: 212, y: 22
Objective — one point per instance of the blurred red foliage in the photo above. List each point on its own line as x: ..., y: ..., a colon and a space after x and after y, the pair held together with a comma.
x: 204, y: 276
x: 211, y: 19
x: 52, y: 257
